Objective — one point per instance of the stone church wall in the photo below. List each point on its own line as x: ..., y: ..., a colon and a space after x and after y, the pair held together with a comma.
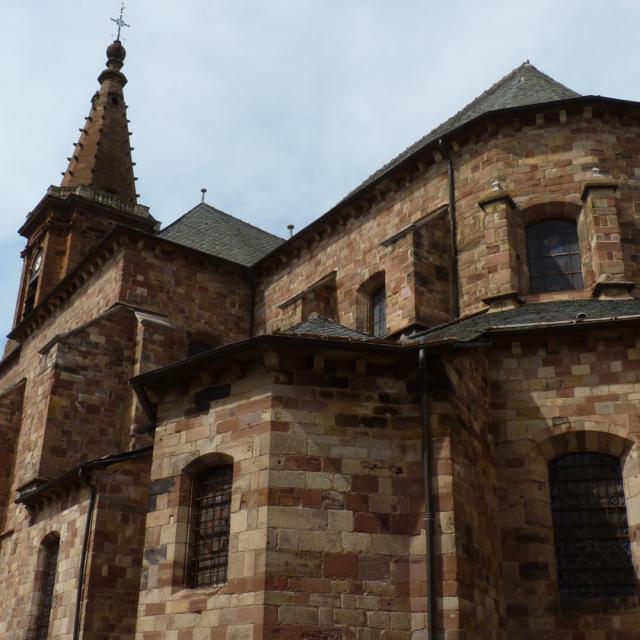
x: 567, y: 392
x: 378, y: 238
x: 541, y: 162
x: 21, y: 557
x: 327, y: 538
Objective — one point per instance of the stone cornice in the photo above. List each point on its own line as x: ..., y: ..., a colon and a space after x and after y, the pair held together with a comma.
x: 63, y: 199
x: 116, y: 239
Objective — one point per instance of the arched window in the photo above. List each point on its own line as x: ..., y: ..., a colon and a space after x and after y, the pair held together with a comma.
x: 48, y: 563
x: 554, y: 256
x: 209, y: 526
x: 371, y: 305
x: 590, y: 526
x: 378, y: 322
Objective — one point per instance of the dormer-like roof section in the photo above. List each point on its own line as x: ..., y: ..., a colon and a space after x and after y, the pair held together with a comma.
x: 219, y: 234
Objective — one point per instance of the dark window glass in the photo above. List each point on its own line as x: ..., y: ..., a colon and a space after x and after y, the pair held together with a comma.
x: 45, y: 590
x: 590, y: 526
x: 379, y: 312
x: 554, y: 256
x: 209, y: 535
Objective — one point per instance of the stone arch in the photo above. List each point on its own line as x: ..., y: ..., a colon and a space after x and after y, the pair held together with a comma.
x: 552, y: 442
x: 555, y: 441
x: 206, y: 461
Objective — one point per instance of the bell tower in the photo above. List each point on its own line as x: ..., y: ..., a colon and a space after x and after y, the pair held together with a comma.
x: 97, y: 192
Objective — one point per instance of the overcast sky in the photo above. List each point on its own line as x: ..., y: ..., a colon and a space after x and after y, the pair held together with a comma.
x: 277, y: 107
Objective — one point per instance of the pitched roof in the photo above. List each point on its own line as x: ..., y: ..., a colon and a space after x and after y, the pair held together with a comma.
x: 208, y: 229
x: 523, y: 86
x: 318, y: 326
x: 531, y: 316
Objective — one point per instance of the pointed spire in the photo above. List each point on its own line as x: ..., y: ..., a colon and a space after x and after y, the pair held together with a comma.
x: 102, y: 156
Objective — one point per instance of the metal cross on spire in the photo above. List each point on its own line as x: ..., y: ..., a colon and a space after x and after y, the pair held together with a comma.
x: 120, y: 22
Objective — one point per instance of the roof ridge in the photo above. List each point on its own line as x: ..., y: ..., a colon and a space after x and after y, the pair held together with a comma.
x: 444, y: 127
x: 209, y: 207
x: 248, y: 224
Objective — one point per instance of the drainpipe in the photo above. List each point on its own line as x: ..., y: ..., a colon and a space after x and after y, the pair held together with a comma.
x: 453, y: 230
x: 427, y: 452
x: 252, y: 303
x: 85, y: 547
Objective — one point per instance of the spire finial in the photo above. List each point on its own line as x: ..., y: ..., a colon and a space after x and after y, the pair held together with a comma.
x: 203, y: 191
x: 120, y: 22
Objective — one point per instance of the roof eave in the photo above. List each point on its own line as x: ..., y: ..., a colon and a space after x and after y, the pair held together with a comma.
x: 277, y: 340
x: 433, y: 143
x: 17, y: 330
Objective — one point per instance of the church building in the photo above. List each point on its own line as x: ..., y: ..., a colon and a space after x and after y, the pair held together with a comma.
x: 418, y: 418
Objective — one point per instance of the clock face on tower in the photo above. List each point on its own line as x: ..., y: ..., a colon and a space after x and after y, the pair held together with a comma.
x: 37, y: 263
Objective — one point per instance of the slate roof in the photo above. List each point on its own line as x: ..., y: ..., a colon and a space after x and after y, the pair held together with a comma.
x: 208, y: 229
x: 523, y: 86
x: 318, y: 326
x: 528, y: 316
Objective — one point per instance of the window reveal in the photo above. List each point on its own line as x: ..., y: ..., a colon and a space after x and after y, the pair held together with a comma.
x: 590, y: 526
x: 209, y: 533
x: 554, y: 256
x: 45, y: 591
x: 379, y: 312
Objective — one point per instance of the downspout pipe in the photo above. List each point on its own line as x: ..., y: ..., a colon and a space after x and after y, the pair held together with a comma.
x: 252, y: 304
x: 427, y: 469
x: 453, y: 231
x: 85, y: 548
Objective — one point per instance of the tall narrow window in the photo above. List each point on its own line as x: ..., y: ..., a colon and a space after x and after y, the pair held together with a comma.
x: 379, y: 312
x: 49, y: 556
x: 590, y: 526
x: 554, y: 256
x: 32, y: 286
x: 209, y: 533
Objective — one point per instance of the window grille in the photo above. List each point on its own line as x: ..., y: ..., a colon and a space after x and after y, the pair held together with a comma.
x: 45, y: 590
x: 209, y: 535
x: 590, y: 526
x: 554, y: 256
x: 379, y: 312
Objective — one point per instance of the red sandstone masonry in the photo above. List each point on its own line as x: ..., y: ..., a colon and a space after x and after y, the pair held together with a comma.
x: 551, y: 396
x: 536, y: 165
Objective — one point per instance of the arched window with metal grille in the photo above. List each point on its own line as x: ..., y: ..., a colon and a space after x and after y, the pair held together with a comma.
x: 554, y: 256
x: 590, y: 526
x: 209, y: 526
x: 48, y: 562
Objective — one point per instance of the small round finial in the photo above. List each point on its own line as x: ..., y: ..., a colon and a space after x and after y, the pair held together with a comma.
x: 203, y: 191
x: 116, y: 52
x: 290, y: 227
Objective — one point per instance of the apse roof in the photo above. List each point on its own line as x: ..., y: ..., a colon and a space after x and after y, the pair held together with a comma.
x: 525, y: 85
x: 208, y: 229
